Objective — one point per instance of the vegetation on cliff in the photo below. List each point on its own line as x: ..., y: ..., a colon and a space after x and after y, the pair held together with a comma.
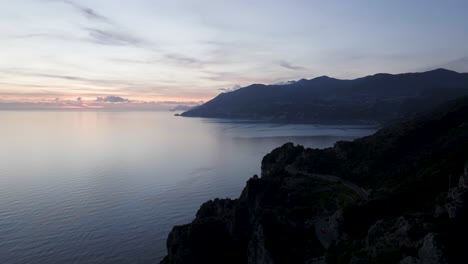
x: 398, y: 196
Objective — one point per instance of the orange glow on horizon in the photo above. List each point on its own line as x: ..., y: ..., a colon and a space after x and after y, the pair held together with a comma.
x: 142, y: 99
x: 83, y: 107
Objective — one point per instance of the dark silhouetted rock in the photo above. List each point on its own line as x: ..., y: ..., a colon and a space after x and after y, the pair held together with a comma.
x: 398, y: 196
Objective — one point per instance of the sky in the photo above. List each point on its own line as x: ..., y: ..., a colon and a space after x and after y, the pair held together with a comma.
x: 152, y: 55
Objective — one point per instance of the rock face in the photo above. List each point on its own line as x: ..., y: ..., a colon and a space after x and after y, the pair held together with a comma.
x: 415, y: 210
x: 271, y: 222
x: 377, y: 98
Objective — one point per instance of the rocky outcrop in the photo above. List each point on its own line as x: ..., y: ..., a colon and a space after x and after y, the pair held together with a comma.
x: 273, y: 221
x: 399, y: 196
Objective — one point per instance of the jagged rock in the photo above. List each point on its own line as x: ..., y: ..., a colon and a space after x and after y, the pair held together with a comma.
x: 409, y: 260
x: 257, y: 252
x: 327, y: 228
x: 432, y: 252
x: 463, y: 182
x: 386, y: 237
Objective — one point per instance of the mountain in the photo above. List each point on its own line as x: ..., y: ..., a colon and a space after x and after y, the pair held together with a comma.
x: 181, y: 108
x: 398, y: 196
x: 459, y: 65
x: 373, y: 99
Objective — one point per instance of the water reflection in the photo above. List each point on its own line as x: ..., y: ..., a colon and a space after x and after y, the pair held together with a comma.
x: 81, y: 187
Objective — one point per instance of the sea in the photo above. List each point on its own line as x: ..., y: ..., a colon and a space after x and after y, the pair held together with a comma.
x: 107, y: 187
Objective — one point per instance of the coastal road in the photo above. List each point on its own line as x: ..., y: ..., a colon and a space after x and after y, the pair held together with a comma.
x: 326, y: 227
x: 363, y: 195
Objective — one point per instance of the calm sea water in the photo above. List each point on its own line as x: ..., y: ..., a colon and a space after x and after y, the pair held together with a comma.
x: 107, y: 187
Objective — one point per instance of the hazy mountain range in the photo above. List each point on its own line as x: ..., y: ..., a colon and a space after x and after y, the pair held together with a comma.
x: 377, y: 98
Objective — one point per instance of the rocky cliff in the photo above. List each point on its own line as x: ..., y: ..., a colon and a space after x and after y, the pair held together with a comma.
x: 399, y: 196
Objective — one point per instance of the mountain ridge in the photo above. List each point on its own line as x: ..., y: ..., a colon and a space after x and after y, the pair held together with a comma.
x: 377, y: 98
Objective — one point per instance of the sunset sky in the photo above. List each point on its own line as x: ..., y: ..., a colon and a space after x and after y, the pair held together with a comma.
x: 149, y: 54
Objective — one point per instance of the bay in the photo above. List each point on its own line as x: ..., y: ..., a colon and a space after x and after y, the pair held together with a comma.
x: 107, y: 187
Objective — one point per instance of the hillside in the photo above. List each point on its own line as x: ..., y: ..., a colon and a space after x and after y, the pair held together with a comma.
x: 398, y: 196
x: 373, y: 99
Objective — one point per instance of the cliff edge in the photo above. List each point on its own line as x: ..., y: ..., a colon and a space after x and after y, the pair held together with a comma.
x: 398, y: 196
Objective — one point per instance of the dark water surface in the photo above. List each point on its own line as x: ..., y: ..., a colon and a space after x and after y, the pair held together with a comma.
x: 107, y: 187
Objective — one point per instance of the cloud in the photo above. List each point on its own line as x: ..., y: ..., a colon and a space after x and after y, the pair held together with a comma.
x: 57, y: 36
x: 173, y: 58
x: 22, y: 72
x: 95, y: 36
x: 112, y: 99
x: 134, y: 61
x: 111, y: 34
x: 79, y: 79
x: 190, y: 103
x: 112, y: 38
x: 87, y: 11
x: 182, y: 59
x: 288, y: 65
x: 459, y: 65
x: 224, y: 76
x: 285, y: 82
x: 232, y: 89
x: 229, y: 77
x: 101, y: 103
x: 56, y: 103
